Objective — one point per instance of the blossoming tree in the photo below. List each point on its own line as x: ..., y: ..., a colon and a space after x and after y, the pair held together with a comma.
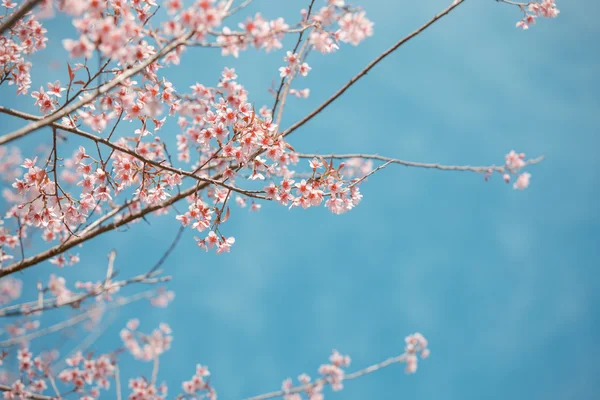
x: 227, y: 152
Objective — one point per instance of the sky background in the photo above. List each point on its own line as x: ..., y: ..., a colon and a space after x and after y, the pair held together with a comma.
x: 503, y: 283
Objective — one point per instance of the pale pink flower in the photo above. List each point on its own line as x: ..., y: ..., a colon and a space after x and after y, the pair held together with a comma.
x: 55, y: 89
x: 522, y: 181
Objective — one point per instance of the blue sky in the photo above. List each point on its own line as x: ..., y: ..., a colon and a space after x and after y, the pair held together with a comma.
x: 503, y: 283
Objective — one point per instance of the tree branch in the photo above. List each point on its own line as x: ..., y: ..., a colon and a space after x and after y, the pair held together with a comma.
x: 47, y: 120
x: 368, y: 68
x: 73, y: 241
x: 12, y: 19
x: 32, y: 396
x: 106, y: 142
x: 478, y: 169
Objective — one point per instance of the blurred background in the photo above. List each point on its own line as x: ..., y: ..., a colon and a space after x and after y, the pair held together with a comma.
x: 503, y: 283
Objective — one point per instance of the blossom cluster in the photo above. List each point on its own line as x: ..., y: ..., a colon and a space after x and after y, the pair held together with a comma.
x: 86, y: 376
x: 333, y: 372
x: 142, y: 389
x: 416, y: 345
x: 199, y: 385
x: 47, y: 101
x: 513, y: 164
x: 43, y: 202
x: 26, y: 37
x: 95, y: 373
x: 535, y: 9
x: 326, y: 181
x: 146, y: 347
x: 352, y: 27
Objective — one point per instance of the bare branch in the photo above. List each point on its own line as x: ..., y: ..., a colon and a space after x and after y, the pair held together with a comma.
x: 478, y: 169
x: 238, y: 8
x: 368, y: 68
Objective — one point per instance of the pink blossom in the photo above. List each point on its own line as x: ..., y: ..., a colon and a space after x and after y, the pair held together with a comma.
x: 522, y: 181
x: 55, y: 89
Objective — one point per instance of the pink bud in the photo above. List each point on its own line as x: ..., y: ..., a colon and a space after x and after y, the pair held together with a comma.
x: 506, y: 178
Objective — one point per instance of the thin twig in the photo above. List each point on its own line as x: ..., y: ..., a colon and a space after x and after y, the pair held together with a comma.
x: 169, y: 250
x: 117, y: 382
x: 51, y: 329
x: 155, y: 370
x: 53, y: 383
x: 368, y: 68
x: 12, y: 19
x: 324, y: 381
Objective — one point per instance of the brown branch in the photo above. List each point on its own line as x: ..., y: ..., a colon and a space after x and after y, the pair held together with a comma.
x: 17, y: 15
x: 106, y: 142
x: 368, y: 68
x: 84, y: 236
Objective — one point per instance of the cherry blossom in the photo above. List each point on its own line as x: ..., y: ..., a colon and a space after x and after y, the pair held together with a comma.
x: 112, y: 99
x: 535, y: 9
